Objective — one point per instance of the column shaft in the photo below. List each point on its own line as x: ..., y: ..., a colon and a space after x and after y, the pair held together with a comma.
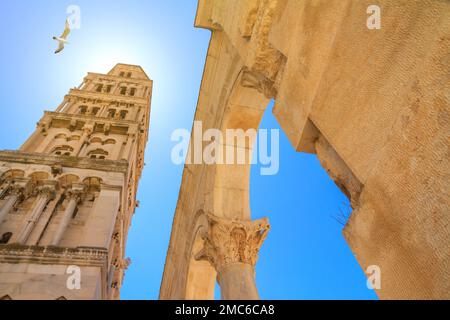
x: 9, y: 204
x: 68, y: 213
x: 237, y: 282
x: 34, y: 216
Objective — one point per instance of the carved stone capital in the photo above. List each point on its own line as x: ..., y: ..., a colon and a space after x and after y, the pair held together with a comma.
x: 74, y: 195
x: 232, y: 241
x: 17, y: 190
x: 48, y: 189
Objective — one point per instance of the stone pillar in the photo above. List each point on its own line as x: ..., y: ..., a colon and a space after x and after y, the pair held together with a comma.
x: 87, y: 130
x: 129, y: 143
x: 74, y: 195
x: 232, y: 246
x: 45, y: 194
x: 15, y: 194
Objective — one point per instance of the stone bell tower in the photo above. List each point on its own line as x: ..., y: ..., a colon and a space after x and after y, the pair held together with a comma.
x: 68, y: 194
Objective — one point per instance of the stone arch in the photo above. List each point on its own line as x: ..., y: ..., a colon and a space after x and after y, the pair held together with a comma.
x: 12, y: 174
x: 74, y: 137
x: 96, y: 140
x: 226, y: 192
x: 38, y: 176
x: 98, y: 153
x: 109, y: 141
x: 93, y: 183
x: 243, y: 110
x: 62, y: 150
x: 67, y: 180
x: 60, y: 136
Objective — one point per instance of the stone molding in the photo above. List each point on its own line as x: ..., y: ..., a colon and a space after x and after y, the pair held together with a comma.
x: 85, y: 117
x: 65, y: 161
x: 15, y: 253
x: 107, y: 97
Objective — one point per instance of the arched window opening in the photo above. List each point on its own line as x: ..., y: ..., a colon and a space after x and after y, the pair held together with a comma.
x: 111, y: 113
x: 123, y: 90
x: 5, y: 237
x: 99, y: 87
x: 129, y: 75
x: 95, y: 110
x: 12, y: 174
x: 38, y: 176
x: 109, y: 141
x: 98, y: 154
x: 122, y: 74
x: 123, y: 114
x: 63, y: 150
x: 108, y: 88
x: 132, y: 91
x: 73, y: 138
x: 83, y: 109
x: 60, y: 136
x: 67, y: 180
x: 92, y: 184
x: 96, y: 140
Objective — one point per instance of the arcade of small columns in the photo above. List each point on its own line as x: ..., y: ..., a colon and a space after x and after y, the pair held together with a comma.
x: 16, y: 190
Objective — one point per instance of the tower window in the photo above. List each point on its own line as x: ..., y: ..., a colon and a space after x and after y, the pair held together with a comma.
x: 94, y: 110
x: 63, y: 150
x: 83, y: 109
x: 111, y: 113
x: 132, y: 91
x: 60, y: 136
x: 129, y: 75
x: 123, y: 114
x: 97, y: 154
x: 122, y: 74
x: 99, y: 88
x: 5, y: 237
x: 108, y: 88
x: 123, y: 90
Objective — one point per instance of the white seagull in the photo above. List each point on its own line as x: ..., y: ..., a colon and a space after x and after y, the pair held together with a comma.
x: 62, y: 39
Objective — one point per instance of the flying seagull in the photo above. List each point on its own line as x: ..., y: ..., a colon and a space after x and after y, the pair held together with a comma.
x: 62, y: 39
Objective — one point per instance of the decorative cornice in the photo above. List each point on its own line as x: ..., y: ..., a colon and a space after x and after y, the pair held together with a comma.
x: 108, y: 96
x: 232, y: 241
x: 15, y: 253
x: 64, y: 161
x: 69, y: 116
x: 93, y: 76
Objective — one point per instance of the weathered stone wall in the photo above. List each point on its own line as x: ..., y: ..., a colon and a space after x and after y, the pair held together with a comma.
x: 373, y: 105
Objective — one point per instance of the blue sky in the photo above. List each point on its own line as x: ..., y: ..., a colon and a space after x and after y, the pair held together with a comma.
x: 304, y: 256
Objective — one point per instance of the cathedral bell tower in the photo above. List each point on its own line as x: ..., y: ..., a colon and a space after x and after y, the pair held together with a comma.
x: 68, y: 194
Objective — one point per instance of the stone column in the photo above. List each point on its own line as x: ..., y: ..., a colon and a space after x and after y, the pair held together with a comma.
x: 74, y: 196
x: 232, y: 247
x: 45, y: 194
x: 87, y: 130
x: 15, y: 194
